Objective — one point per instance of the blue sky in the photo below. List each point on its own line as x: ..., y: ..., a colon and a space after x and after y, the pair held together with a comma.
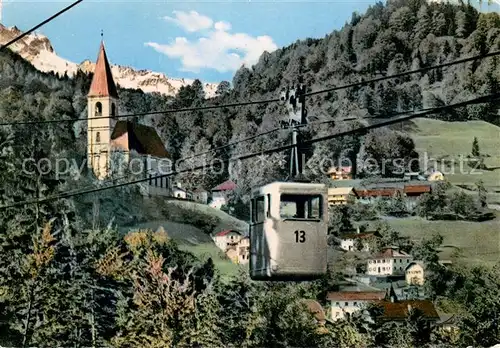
x: 164, y: 36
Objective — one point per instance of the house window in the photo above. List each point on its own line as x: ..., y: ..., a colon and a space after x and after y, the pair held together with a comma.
x: 355, y: 303
x: 98, y: 137
x: 98, y: 109
x: 347, y: 303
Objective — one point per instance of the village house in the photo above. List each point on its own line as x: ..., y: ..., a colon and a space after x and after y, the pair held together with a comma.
x: 340, y: 173
x: 414, y: 192
x: 220, y: 194
x: 369, y: 195
x: 400, y: 288
x: 200, y: 195
x: 181, y: 193
x: 244, y: 250
x: 343, y: 303
x: 226, y: 238
x: 394, y: 310
x: 390, y: 261
x: 399, y: 310
x: 341, y: 195
x: 122, y: 143
x: 350, y: 241
x: 239, y: 252
x: 414, y: 273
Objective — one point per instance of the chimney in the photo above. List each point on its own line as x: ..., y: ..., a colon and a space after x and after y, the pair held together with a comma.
x: 357, y: 230
x: 392, y: 299
x: 179, y: 185
x: 409, y: 308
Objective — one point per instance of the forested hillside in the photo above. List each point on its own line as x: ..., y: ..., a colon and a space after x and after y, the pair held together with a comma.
x: 387, y: 39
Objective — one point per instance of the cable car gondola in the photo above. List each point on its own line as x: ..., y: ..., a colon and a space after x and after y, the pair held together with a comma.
x: 288, y: 231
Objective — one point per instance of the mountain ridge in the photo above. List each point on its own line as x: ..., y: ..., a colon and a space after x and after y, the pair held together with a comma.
x: 37, y: 49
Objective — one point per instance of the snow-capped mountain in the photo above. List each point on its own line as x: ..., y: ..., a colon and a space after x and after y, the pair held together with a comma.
x: 38, y: 50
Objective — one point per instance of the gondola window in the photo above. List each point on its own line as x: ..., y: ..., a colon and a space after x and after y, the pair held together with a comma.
x: 300, y: 207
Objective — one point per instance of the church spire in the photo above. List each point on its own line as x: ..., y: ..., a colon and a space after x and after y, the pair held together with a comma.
x: 102, y: 82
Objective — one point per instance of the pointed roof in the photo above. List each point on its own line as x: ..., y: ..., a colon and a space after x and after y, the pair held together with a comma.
x: 102, y: 82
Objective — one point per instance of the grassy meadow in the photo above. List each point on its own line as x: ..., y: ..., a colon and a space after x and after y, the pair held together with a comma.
x: 471, y: 242
x: 445, y: 143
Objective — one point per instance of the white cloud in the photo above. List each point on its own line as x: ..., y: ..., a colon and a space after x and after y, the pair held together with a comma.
x: 224, y: 26
x: 218, y: 49
x: 191, y: 21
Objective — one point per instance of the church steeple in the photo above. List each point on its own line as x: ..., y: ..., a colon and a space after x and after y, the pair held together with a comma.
x: 103, y: 84
x: 102, y: 106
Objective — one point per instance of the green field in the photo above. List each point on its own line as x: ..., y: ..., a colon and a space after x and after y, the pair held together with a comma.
x: 478, y: 242
x: 206, y: 250
x: 444, y: 144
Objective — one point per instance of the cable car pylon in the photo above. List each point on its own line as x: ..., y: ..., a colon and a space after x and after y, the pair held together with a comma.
x: 294, y: 99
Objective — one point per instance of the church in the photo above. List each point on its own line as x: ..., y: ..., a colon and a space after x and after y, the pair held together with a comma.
x: 114, y: 143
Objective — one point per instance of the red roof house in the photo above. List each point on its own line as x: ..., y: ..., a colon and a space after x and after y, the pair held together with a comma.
x: 382, y: 192
x: 416, y: 190
x: 225, y: 233
x: 398, y: 310
x: 225, y: 186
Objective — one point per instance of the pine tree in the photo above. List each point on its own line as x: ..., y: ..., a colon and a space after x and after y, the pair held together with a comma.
x: 475, y: 148
x: 460, y: 21
x: 424, y: 25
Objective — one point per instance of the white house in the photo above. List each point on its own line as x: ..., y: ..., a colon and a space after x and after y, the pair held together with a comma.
x: 348, y: 302
x: 226, y: 238
x: 348, y: 242
x: 179, y: 192
x: 390, y: 261
x: 220, y: 194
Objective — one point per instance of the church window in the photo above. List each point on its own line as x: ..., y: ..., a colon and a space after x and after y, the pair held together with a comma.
x: 98, y: 137
x: 98, y: 109
x: 113, y: 110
